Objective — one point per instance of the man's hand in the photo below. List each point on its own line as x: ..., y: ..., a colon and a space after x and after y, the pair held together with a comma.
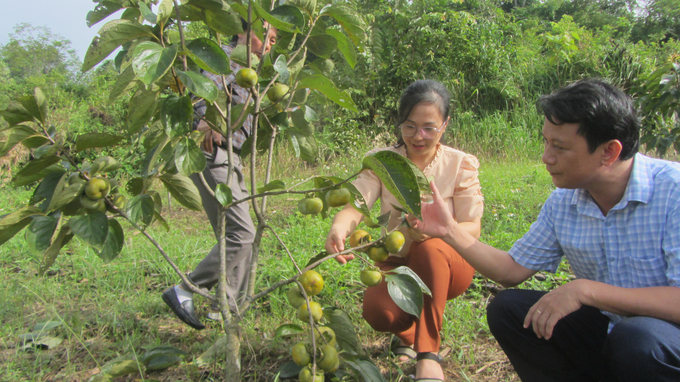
x: 210, y: 137
x: 555, y: 305
x: 334, y: 244
x: 437, y: 218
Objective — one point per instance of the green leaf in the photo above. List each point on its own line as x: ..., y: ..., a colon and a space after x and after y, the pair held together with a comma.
x: 46, y: 326
x: 404, y: 270
x: 213, y: 5
x: 46, y: 188
x: 208, y: 56
x: 316, y: 258
x: 345, y: 46
x: 43, y: 229
x: 359, y: 203
x: 122, y: 367
x: 350, y: 21
x: 63, y: 237
x: 364, y: 367
x: 147, y: 13
x: 399, y: 176
x: 115, y: 239
x: 14, y: 114
x: 322, y: 45
x: 284, y: 18
x: 287, y: 330
x: 307, y: 5
x: 189, y: 158
x: 142, y: 108
x: 18, y: 134
x: 223, y: 194
x: 151, y: 61
x: 176, y: 115
x: 112, y: 35
x: 103, y: 10
x: 14, y: 222
x: 18, y: 216
x: 273, y: 185
x: 163, y: 362
x: 199, y: 84
x: 93, y: 140
x: 302, y: 119
x: 140, y: 209
x: 289, y: 370
x: 124, y: 84
x: 92, y: 228
x: 281, y: 67
x: 305, y: 147
x: 343, y: 327
x: 35, y: 105
x: 33, y: 177
x: 64, y: 194
x: 163, y: 350
x: 327, y: 88
x: 182, y: 189
x: 405, y: 292
x: 34, y: 167
x: 239, y: 54
x: 227, y: 23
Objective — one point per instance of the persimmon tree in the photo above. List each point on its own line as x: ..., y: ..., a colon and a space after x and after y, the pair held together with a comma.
x: 163, y: 72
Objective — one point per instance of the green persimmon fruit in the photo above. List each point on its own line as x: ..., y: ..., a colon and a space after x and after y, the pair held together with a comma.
x: 310, y: 206
x: 300, y: 354
x: 276, y: 92
x: 394, y: 242
x: 317, y: 312
x: 97, y: 188
x: 378, y: 253
x: 307, y: 376
x: 370, y: 277
x: 338, y: 198
x: 93, y: 204
x: 312, y: 282
x: 329, y: 359
x: 246, y: 78
x: 295, y: 298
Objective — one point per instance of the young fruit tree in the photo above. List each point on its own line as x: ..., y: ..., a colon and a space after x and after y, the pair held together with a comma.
x: 166, y: 75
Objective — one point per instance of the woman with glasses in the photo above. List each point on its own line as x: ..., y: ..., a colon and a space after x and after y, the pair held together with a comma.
x: 423, y: 119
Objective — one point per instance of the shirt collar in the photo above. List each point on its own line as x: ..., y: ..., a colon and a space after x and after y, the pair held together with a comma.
x: 639, y: 189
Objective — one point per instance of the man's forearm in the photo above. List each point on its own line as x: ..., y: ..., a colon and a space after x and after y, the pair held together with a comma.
x: 661, y: 302
x: 492, y: 263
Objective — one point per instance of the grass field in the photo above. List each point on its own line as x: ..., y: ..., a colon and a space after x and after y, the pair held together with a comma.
x: 105, y: 311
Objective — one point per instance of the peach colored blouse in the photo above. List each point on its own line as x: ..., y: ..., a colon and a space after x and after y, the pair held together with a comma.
x: 455, y: 174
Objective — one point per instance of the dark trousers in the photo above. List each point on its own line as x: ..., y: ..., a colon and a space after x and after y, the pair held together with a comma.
x: 580, y: 349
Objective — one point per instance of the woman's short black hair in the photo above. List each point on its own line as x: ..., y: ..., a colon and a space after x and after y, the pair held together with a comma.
x: 602, y: 111
x: 429, y: 92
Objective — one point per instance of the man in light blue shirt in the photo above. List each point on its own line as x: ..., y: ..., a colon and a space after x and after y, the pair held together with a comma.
x: 615, y: 217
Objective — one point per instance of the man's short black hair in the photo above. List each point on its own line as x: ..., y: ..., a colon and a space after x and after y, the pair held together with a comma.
x: 602, y: 111
x: 244, y: 26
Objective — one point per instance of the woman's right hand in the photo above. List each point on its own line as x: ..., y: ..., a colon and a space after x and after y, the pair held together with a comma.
x: 336, y: 243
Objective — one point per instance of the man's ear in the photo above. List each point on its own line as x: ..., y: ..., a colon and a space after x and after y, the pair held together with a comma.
x: 611, y: 151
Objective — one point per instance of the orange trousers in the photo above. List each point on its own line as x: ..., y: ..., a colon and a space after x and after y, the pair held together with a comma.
x: 443, y: 271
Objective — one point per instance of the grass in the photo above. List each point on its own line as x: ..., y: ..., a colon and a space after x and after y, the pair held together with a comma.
x: 112, y: 310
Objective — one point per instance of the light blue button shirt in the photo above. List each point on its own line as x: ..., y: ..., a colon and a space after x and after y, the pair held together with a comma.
x: 636, y: 245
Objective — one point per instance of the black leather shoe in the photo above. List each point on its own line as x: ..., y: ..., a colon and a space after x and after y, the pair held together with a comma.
x: 183, y: 311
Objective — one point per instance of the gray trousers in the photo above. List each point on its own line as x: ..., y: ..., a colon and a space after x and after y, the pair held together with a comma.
x: 240, y: 230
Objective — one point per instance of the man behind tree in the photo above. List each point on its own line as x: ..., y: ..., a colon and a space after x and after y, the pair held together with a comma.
x: 240, y: 231
x: 615, y: 216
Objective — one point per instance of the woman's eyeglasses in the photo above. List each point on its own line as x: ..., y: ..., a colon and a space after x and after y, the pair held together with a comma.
x: 409, y: 130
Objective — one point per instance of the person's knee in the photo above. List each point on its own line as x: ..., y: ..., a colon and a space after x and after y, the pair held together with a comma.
x: 635, y: 346
x: 497, y: 312
x: 385, y: 320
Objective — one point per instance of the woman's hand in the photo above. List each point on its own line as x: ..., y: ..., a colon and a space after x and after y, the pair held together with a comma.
x: 336, y: 243
x: 437, y: 218
x: 417, y: 236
